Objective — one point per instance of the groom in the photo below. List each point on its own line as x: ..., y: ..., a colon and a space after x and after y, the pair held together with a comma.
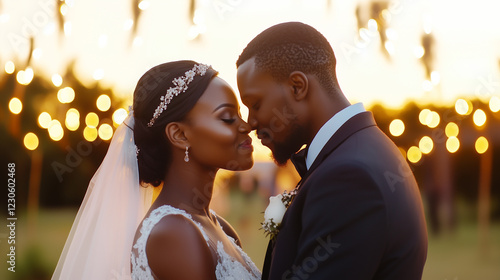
x: 358, y: 212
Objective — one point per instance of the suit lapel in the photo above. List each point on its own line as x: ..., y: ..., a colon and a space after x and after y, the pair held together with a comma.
x: 353, y: 125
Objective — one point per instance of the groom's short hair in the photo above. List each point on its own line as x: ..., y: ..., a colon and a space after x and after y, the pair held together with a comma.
x: 292, y: 46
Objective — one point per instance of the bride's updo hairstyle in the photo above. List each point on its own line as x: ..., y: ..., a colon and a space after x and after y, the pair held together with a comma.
x: 154, y: 155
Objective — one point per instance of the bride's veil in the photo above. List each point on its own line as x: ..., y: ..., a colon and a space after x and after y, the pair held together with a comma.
x: 99, y: 244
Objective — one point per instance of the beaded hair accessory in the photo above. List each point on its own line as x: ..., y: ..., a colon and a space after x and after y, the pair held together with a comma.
x: 180, y: 85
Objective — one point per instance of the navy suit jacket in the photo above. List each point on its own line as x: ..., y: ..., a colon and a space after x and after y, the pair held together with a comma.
x: 358, y: 213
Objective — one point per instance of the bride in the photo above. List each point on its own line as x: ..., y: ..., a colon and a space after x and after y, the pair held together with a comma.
x: 184, y: 126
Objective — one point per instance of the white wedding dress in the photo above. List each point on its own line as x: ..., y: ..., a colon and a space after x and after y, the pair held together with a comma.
x: 227, y: 268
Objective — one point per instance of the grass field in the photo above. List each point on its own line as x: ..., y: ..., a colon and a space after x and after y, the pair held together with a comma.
x: 452, y: 256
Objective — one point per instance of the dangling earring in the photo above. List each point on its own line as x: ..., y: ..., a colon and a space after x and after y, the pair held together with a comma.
x: 186, y: 158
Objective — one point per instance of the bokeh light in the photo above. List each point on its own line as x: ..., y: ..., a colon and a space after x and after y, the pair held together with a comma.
x: 494, y: 104
x: 10, y: 67
x: 103, y: 102
x: 479, y: 117
x: 434, y: 119
x: 92, y: 120
x: 56, y: 131
x: 451, y: 129
x: 481, y: 145
x: 143, y: 5
x: 414, y: 154
x: 31, y: 141
x: 66, y: 95
x: 119, y: 116
x: 90, y: 133
x: 24, y: 77
x: 105, y: 131
x: 419, y: 51
x: 423, y: 117
x: 426, y: 144
x: 463, y: 107
x: 397, y: 127
x: 452, y: 144
x: 72, y: 119
x: 44, y: 120
x: 15, y: 105
x: 57, y: 80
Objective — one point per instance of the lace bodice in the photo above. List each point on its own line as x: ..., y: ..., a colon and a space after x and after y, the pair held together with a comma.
x: 227, y: 268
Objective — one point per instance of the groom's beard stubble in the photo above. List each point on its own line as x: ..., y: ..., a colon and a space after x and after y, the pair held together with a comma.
x: 283, y: 151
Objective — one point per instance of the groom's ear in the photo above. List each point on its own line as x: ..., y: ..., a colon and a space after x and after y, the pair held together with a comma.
x: 175, y: 132
x: 299, y: 84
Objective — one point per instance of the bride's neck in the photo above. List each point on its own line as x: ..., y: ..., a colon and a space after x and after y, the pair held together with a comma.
x: 188, y: 186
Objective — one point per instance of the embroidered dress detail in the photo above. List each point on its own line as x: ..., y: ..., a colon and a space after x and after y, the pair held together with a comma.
x: 227, y: 268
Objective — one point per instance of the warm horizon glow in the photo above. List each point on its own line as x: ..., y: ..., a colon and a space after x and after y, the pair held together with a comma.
x: 105, y: 50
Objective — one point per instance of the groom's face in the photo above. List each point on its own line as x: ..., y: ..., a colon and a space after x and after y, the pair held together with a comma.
x: 271, y: 112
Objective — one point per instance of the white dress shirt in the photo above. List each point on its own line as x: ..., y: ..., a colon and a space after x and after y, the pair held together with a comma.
x: 328, y: 130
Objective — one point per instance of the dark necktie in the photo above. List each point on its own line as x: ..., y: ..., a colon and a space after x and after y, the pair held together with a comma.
x: 299, y: 161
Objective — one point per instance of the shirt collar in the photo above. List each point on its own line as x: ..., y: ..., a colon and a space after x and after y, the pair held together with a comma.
x: 328, y: 130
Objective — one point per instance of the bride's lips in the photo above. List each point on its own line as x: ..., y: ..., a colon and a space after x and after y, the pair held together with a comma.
x: 247, y: 144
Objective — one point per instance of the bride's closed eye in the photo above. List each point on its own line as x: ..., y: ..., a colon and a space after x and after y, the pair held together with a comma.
x: 229, y: 121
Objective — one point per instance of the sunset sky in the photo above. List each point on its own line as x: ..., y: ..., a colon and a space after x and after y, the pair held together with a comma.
x: 98, y: 37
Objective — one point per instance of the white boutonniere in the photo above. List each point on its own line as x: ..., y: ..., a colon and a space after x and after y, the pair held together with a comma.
x: 273, y: 216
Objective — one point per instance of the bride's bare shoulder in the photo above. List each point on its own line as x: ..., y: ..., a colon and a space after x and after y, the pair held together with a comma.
x: 176, y: 245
